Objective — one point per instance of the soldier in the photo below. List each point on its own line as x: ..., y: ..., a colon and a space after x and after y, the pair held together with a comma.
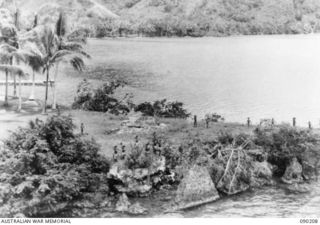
x: 115, y: 153
x: 82, y: 128
x: 123, y: 152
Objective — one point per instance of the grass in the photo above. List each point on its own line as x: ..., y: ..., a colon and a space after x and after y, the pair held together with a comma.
x: 100, y: 126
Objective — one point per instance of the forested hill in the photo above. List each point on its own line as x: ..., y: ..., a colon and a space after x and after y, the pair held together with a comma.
x: 218, y: 17
x: 178, y: 17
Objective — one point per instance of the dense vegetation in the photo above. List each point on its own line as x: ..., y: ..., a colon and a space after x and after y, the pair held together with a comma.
x: 179, y: 17
x: 211, y: 18
x: 46, y: 168
x: 101, y: 99
x: 163, y: 108
x: 104, y: 99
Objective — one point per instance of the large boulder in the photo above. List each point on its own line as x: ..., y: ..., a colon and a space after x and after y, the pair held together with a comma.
x: 137, y: 182
x: 293, y: 173
x: 261, y: 174
x: 123, y: 205
x: 310, y: 164
x: 196, y: 188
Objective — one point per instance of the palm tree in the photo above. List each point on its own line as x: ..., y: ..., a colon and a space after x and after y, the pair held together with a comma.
x: 50, y: 54
x: 34, y: 61
x: 69, y: 42
x: 9, y: 54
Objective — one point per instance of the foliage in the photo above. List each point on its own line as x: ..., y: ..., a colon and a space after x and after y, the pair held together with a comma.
x: 101, y: 99
x: 46, y: 167
x: 214, y: 117
x: 138, y: 158
x: 285, y: 143
x: 163, y: 108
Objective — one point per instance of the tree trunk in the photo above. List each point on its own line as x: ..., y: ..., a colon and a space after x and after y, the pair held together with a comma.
x: 46, y: 94
x: 54, y: 105
x: 6, y: 90
x: 14, y: 86
x: 31, y: 98
x: 20, y: 97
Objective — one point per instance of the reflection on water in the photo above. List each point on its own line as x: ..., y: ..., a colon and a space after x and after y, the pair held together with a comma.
x: 266, y: 202
x: 239, y: 77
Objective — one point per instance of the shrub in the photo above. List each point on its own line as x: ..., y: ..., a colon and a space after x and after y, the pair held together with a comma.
x: 285, y: 143
x: 163, y: 108
x: 46, y: 168
x: 214, y: 117
x: 101, y: 99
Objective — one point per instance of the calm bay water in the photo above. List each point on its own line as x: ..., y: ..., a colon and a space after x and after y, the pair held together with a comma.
x: 238, y: 77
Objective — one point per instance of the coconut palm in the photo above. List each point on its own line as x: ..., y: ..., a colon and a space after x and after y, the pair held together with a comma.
x: 69, y: 42
x: 34, y: 61
x: 50, y: 54
x: 8, y: 55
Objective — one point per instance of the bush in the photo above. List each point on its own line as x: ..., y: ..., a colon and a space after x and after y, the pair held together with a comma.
x: 285, y: 143
x: 101, y: 99
x: 162, y: 108
x: 46, y: 168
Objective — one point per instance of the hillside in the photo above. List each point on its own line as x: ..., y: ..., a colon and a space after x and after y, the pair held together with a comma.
x: 219, y: 17
x: 79, y: 12
x: 177, y: 17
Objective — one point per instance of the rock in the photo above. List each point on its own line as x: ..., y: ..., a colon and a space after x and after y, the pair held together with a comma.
x: 298, y: 188
x: 293, y: 173
x: 310, y: 164
x: 196, y: 188
x: 158, y: 165
x: 261, y: 174
x: 137, y: 209
x: 140, y: 173
x: 123, y: 203
x: 135, y: 188
x: 134, y: 182
x: 236, y: 174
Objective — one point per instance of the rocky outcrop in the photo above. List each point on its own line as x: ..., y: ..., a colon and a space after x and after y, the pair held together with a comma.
x: 140, y: 181
x: 293, y: 173
x: 195, y: 189
x: 123, y: 205
x: 261, y: 174
x: 310, y: 164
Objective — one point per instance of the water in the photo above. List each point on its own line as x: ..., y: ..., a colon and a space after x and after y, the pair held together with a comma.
x: 267, y: 202
x: 238, y: 77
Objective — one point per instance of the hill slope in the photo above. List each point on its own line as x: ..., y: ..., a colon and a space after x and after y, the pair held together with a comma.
x: 79, y: 12
x: 177, y: 17
x: 221, y: 17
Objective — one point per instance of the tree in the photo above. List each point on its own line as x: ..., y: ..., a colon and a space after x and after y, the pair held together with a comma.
x: 70, y: 43
x: 51, y: 53
x: 9, y: 54
x: 8, y: 36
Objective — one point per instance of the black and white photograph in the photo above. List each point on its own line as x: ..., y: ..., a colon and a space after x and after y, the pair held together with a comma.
x: 159, y: 109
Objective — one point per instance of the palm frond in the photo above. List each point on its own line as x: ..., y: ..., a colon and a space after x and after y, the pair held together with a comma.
x: 75, y: 48
x: 59, y: 55
x: 61, y: 27
x: 77, y: 63
x: 13, y: 69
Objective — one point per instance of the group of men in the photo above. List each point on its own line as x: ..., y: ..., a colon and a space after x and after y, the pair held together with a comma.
x: 155, y: 147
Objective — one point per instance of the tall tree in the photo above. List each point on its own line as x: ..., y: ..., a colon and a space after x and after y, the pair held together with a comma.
x: 12, y: 54
x: 51, y: 53
x: 67, y: 42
